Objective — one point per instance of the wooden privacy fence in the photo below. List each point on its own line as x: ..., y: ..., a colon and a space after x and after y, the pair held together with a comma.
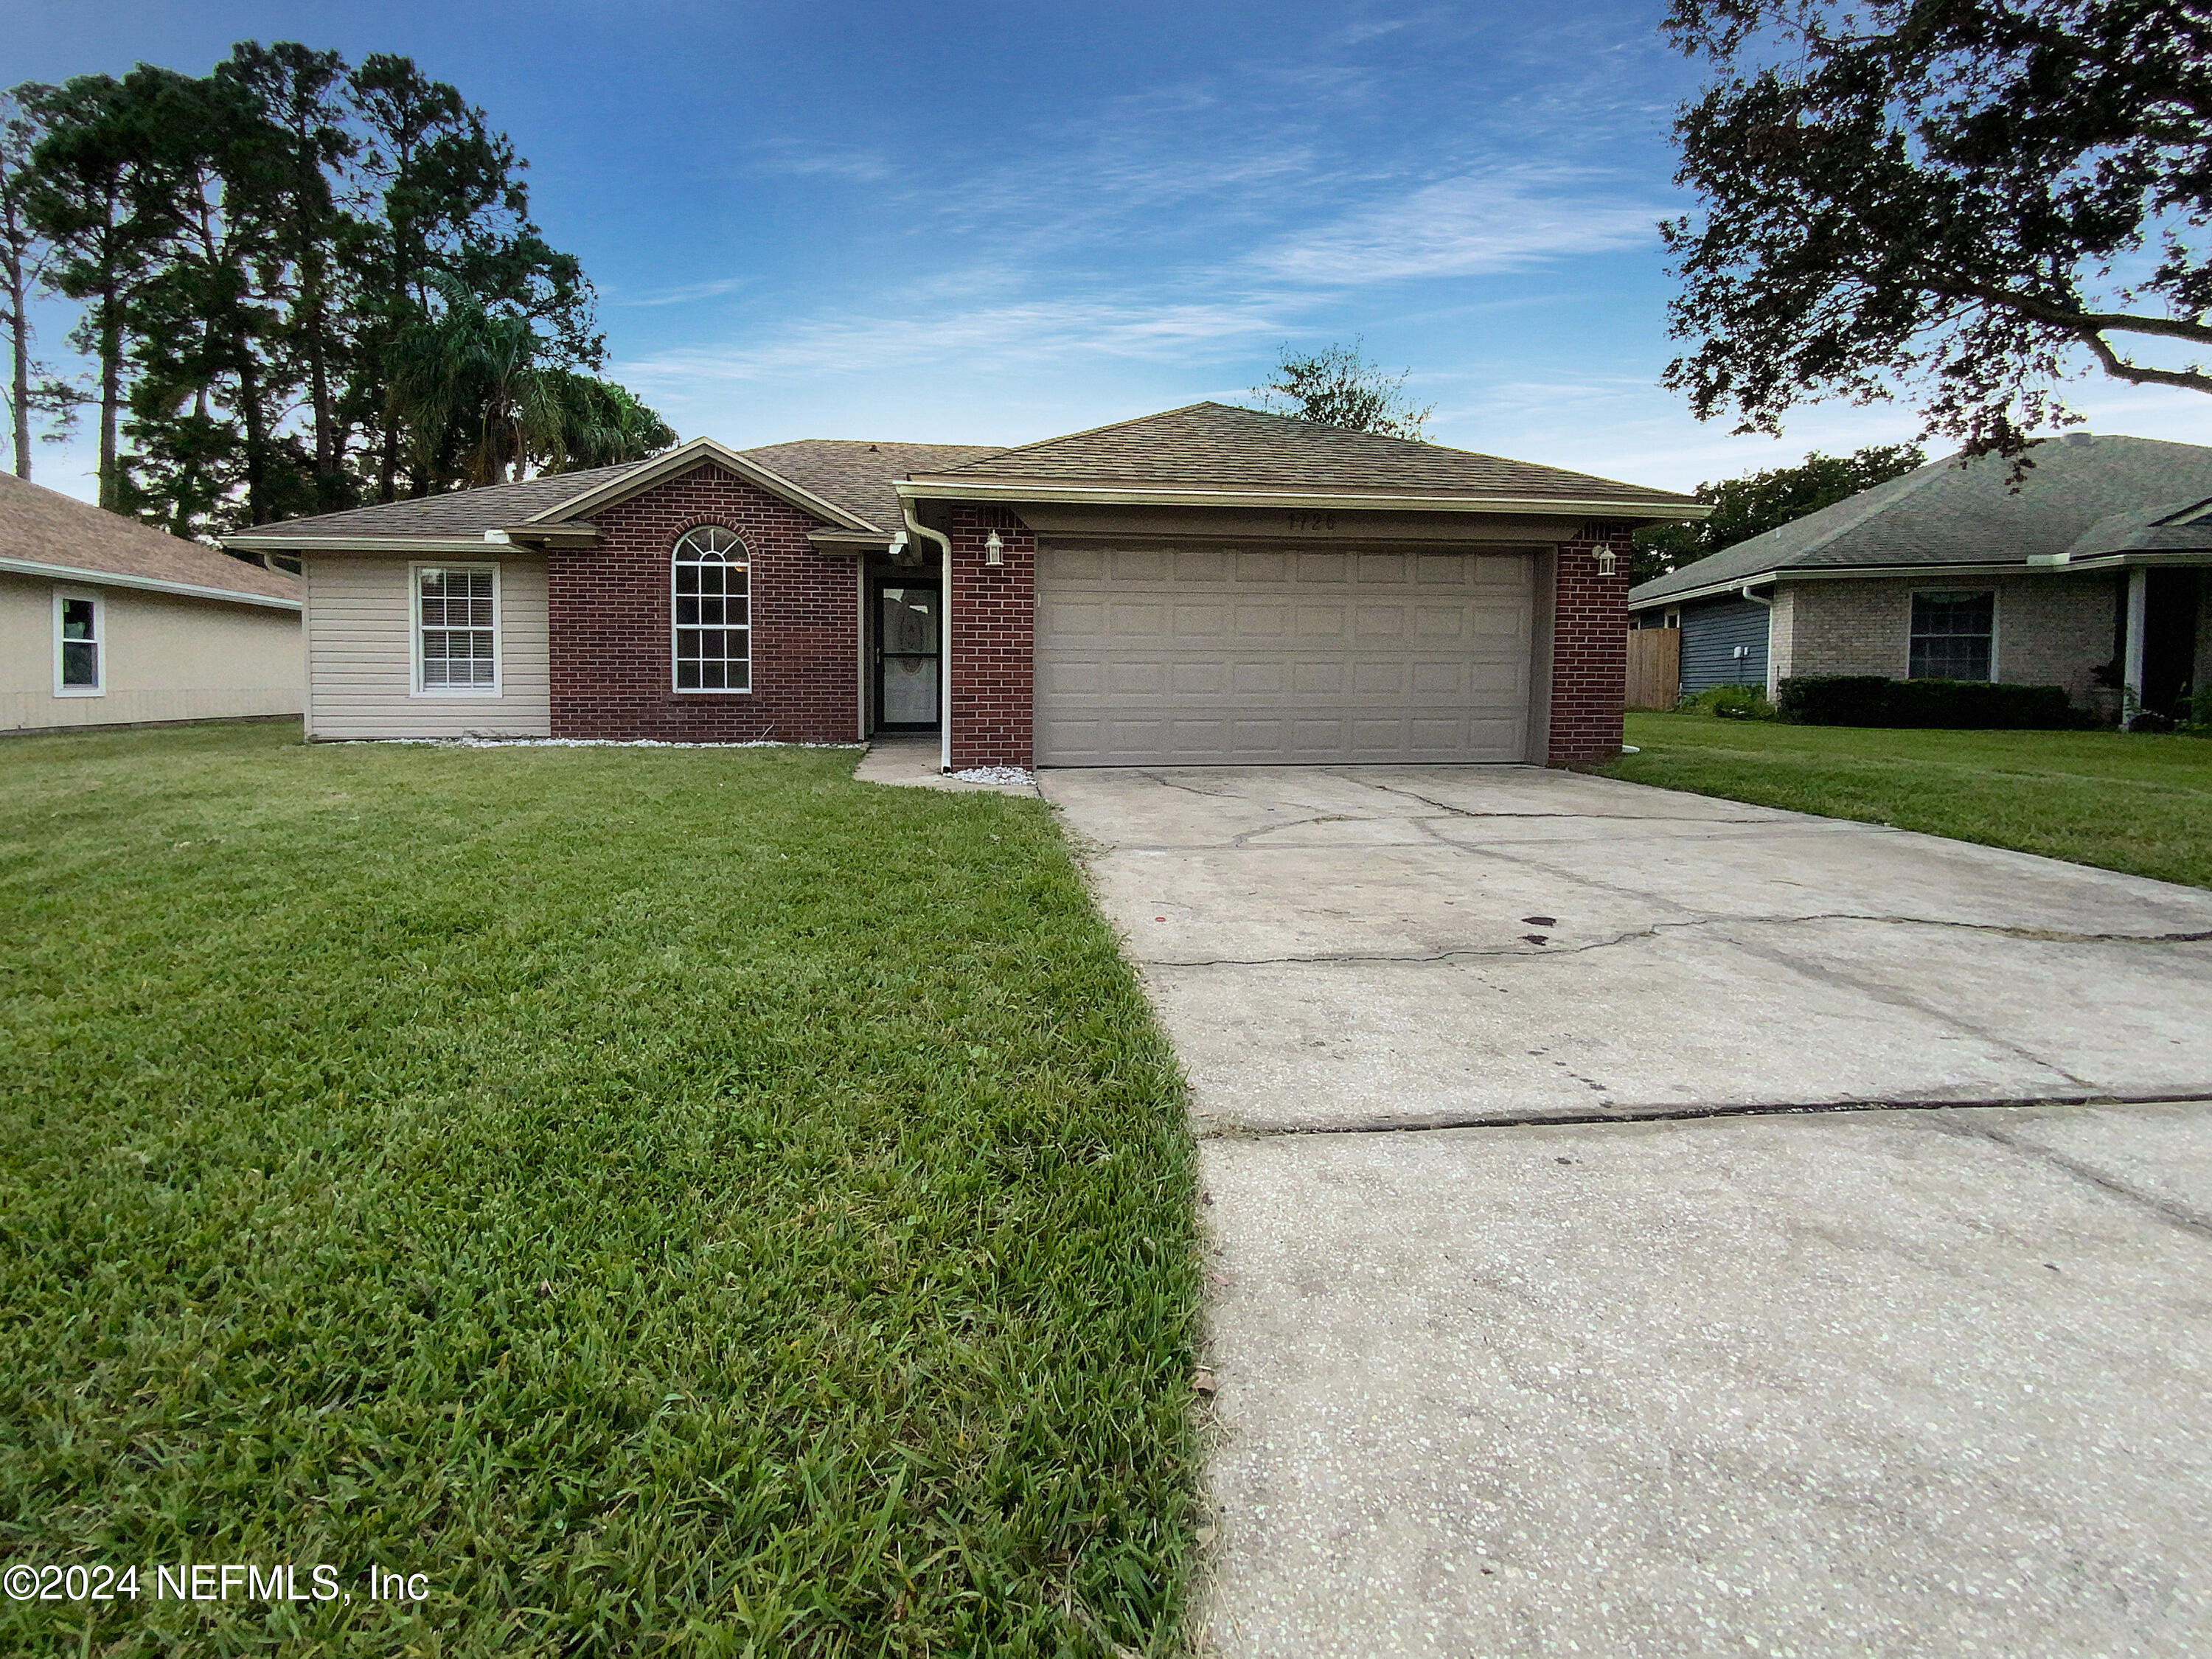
x: 1654, y: 667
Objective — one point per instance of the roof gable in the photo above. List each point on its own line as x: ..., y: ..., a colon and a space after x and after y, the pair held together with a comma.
x: 45, y: 529
x: 1217, y: 445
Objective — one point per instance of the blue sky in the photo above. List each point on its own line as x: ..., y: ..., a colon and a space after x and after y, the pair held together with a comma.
x: 995, y: 223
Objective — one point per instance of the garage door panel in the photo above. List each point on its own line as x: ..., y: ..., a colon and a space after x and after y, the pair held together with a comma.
x: 1257, y: 656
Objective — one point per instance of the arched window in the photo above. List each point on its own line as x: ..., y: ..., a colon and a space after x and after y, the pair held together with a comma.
x: 713, y: 612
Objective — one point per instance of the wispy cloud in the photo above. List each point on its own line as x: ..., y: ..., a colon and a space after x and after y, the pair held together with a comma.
x: 1015, y: 334
x: 684, y: 295
x: 1508, y: 219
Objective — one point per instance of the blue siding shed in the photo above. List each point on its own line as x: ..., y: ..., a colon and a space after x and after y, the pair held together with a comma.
x: 1710, y: 635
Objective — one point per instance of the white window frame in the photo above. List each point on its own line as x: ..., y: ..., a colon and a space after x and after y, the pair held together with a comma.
x: 98, y: 687
x: 675, y: 628
x: 473, y: 693
x: 1997, y: 623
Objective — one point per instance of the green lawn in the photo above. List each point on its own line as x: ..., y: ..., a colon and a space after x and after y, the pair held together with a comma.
x: 2141, y: 804
x: 677, y: 1200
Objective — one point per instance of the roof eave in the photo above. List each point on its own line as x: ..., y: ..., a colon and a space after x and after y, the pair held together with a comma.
x: 943, y: 488
x: 69, y: 573
x: 264, y: 543
x: 1825, y: 572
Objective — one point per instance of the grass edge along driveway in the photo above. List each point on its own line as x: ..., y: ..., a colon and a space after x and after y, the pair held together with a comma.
x: 2141, y: 804
x: 675, y: 1201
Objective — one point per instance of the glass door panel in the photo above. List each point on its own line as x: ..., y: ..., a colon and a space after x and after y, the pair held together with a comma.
x: 907, y: 656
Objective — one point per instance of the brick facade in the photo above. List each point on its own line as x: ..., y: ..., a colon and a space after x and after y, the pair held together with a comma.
x: 1589, y: 647
x: 994, y: 639
x: 2051, y: 629
x: 609, y: 624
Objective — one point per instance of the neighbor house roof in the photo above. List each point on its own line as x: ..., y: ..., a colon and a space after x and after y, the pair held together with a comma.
x: 1207, y: 449
x: 2107, y: 497
x: 44, y: 533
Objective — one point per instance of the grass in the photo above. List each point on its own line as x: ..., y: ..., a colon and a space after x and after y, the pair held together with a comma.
x: 2137, y: 803
x: 679, y: 1202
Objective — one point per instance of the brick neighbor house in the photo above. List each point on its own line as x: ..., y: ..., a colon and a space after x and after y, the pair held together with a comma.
x: 2090, y: 574
x: 1207, y: 585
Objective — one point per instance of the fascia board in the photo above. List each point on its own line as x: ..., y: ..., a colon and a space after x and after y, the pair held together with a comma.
x: 1845, y: 573
x: 148, y: 584
x: 2148, y: 559
x: 925, y: 488
x: 362, y: 545
x: 681, y: 458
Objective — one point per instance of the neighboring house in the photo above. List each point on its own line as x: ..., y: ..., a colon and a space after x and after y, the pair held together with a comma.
x: 105, y: 622
x: 2092, y: 571
x: 1207, y: 585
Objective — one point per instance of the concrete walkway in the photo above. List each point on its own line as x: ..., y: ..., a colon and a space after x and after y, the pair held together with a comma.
x: 912, y: 761
x: 1911, y: 1380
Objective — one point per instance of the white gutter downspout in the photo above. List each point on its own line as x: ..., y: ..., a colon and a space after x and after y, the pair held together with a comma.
x: 1768, y: 602
x: 944, y: 634
x: 2131, y: 653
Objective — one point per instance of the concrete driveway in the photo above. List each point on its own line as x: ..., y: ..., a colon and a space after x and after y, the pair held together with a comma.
x: 1543, y: 1324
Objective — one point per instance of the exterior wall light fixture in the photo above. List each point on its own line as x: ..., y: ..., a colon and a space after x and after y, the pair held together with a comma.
x: 1605, y: 562
x: 995, y: 550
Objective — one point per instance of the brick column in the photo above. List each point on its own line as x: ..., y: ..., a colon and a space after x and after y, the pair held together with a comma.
x: 1589, y: 647
x: 994, y: 639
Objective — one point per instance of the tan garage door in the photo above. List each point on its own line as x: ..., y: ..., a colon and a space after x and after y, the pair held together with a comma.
x: 1209, y: 656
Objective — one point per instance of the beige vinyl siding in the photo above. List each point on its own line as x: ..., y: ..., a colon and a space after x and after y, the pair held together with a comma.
x: 361, y: 660
x: 163, y: 658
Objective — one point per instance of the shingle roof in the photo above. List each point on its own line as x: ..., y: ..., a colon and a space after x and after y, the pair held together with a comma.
x: 1947, y: 514
x: 461, y: 514
x: 39, y: 526
x: 854, y: 474
x: 857, y: 474
x: 1214, y: 444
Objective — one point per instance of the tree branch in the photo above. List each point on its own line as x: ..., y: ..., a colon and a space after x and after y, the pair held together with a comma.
x: 2087, y: 322
x: 2189, y: 380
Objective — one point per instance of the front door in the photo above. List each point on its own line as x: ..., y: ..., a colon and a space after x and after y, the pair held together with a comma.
x: 907, y: 633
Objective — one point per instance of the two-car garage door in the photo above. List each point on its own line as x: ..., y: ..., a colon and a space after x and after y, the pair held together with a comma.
x: 1194, y: 655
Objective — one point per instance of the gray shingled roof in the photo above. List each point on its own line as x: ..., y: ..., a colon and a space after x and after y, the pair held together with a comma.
x: 39, y: 526
x: 459, y: 514
x: 1946, y: 513
x: 857, y: 474
x: 853, y: 473
x: 1214, y: 444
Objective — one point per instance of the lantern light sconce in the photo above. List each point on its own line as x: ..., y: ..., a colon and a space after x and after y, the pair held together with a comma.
x: 995, y: 550
x: 1605, y: 562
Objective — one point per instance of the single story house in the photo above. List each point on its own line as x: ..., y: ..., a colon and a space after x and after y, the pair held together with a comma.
x: 2090, y: 572
x: 1207, y: 585
x: 106, y: 622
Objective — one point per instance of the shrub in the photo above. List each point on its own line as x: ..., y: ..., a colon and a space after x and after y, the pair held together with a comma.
x: 1730, y: 702
x: 1979, y: 705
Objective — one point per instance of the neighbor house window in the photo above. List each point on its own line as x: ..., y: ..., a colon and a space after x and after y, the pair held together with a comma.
x: 1953, y: 635
x: 713, y: 612
x: 456, y: 628
x: 79, y: 645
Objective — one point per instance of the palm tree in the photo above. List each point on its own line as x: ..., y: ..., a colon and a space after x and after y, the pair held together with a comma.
x: 477, y: 403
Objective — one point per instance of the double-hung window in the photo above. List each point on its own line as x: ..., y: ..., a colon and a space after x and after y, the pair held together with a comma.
x: 714, y: 649
x: 457, y: 629
x: 1953, y: 635
x: 80, y: 645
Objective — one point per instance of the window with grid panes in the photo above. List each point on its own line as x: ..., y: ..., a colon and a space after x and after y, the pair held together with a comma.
x: 713, y: 612
x: 457, y: 628
x: 1952, y: 634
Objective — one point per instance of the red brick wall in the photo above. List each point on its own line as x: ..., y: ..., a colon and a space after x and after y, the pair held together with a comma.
x: 994, y: 639
x: 1589, y: 647
x: 610, y: 625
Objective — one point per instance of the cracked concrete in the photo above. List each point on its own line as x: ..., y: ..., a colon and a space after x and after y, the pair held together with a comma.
x: 1701, y: 1346
x: 1338, y: 947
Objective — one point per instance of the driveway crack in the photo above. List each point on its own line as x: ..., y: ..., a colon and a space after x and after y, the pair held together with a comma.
x: 2045, y: 935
